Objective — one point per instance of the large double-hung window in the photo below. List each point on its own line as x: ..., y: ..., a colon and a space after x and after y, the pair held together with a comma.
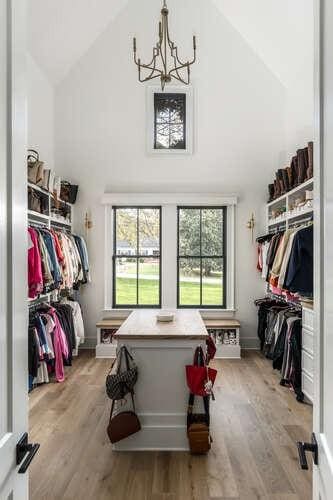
x: 194, y: 259
x: 201, y: 257
x: 136, y: 257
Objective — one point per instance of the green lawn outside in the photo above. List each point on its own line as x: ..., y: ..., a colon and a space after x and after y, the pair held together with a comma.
x: 149, y: 292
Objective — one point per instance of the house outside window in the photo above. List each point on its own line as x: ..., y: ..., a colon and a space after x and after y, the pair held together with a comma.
x: 136, y: 257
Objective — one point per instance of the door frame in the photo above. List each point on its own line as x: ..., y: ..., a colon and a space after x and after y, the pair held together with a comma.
x: 13, y: 250
x: 323, y: 473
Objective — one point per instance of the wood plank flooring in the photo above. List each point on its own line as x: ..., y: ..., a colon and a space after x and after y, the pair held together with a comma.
x: 255, y: 423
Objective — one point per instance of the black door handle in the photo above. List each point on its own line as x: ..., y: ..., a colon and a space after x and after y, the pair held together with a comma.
x: 303, y: 448
x: 22, y: 448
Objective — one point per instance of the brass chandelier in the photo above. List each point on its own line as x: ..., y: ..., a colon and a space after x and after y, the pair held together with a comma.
x: 165, y: 49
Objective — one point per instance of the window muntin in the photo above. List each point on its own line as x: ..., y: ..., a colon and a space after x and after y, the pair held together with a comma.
x: 169, y: 121
x: 136, y: 257
x: 201, y: 257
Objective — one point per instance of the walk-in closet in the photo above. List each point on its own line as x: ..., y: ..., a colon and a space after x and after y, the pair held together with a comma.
x: 165, y: 250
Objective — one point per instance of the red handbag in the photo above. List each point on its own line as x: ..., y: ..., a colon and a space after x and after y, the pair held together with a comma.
x: 198, y: 375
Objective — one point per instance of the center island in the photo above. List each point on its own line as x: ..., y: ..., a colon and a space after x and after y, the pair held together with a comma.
x: 161, y: 352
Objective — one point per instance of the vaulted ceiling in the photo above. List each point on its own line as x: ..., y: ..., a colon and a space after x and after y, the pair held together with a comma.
x: 280, y: 32
x: 61, y: 31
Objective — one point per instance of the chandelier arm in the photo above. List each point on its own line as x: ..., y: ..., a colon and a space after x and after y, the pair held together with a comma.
x: 155, y: 56
x: 149, y: 78
x: 181, y: 63
x: 153, y: 70
x: 176, y: 70
x: 179, y: 78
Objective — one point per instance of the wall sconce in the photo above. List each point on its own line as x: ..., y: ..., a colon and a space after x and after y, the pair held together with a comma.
x: 250, y: 225
x: 87, y: 222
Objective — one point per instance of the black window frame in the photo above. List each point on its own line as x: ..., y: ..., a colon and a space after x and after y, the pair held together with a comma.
x: 115, y: 256
x: 166, y: 95
x: 223, y: 257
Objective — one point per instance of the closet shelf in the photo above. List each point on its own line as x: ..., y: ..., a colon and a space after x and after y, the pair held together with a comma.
x: 47, y: 193
x: 32, y: 213
x: 302, y: 187
x: 54, y: 220
x: 290, y: 216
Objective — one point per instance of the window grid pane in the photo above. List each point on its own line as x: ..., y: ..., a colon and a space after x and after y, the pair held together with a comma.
x: 170, y: 121
x: 201, y: 275
x: 136, y: 268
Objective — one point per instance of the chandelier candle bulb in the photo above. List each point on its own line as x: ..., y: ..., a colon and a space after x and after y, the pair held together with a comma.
x: 134, y: 44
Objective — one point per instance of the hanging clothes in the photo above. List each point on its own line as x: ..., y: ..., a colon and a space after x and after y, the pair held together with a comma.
x: 56, y: 260
x: 279, y: 331
x: 35, y: 276
x: 285, y: 261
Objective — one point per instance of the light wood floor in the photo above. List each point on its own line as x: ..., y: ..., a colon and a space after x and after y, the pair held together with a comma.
x: 255, y: 423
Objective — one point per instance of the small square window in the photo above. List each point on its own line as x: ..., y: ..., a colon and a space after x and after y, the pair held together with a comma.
x: 169, y: 121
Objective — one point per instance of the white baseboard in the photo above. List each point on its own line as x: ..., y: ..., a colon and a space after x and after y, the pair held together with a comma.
x: 250, y: 343
x: 159, y: 431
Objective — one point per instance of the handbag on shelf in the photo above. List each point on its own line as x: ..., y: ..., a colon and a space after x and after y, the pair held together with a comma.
x: 121, y: 379
x: 35, y: 168
x: 37, y: 201
x: 68, y: 192
x: 123, y: 424
x: 198, y: 427
x: 200, y: 378
x: 33, y: 201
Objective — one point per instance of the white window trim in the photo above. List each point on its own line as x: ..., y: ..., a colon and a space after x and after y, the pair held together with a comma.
x: 169, y: 203
x: 172, y: 89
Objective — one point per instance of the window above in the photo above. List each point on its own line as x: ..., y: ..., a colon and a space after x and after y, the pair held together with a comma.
x: 201, y: 257
x: 169, y: 121
x: 136, y: 257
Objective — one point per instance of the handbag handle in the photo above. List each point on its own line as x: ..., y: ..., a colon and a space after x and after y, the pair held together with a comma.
x: 199, y: 359
x: 206, y: 406
x: 118, y: 358
x: 113, y: 403
x: 33, y: 154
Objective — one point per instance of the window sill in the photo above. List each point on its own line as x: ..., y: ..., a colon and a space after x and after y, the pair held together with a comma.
x: 205, y: 312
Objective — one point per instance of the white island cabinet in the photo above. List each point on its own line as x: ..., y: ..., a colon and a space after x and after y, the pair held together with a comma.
x: 161, y: 351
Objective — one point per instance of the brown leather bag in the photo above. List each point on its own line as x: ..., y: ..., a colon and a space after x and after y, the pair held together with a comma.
x: 198, y: 433
x: 199, y: 438
x: 124, y: 424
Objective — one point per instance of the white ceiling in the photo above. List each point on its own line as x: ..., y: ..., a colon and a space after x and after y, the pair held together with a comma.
x: 279, y: 31
x: 61, y: 31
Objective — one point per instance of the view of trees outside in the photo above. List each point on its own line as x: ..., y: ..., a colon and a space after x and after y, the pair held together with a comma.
x: 201, y: 256
x: 170, y: 118
x: 137, y: 256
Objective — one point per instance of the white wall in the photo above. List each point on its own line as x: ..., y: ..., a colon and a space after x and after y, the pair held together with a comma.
x: 239, y: 122
x: 281, y: 33
x: 41, y: 118
x: 300, y: 90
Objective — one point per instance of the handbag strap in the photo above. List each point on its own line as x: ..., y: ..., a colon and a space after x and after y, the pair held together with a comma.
x: 113, y: 403
x: 191, y: 400
x: 33, y: 155
x: 118, y: 358
x: 127, y: 357
x: 199, y: 358
x: 123, y: 352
